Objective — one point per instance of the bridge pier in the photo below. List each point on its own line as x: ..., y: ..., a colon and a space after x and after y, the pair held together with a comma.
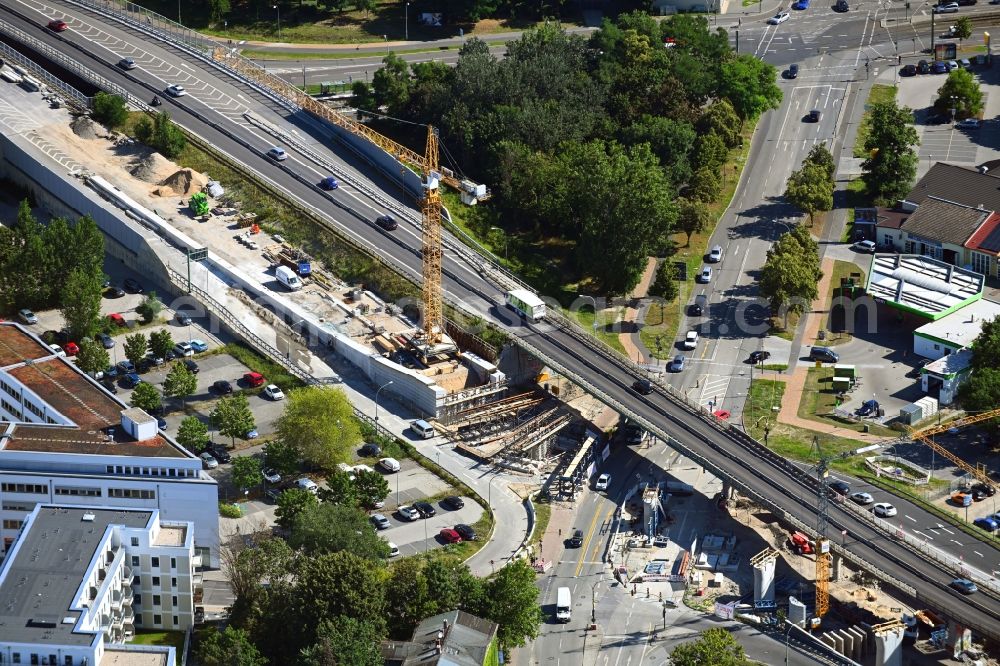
x: 763, y: 564
x: 888, y: 643
x: 959, y: 638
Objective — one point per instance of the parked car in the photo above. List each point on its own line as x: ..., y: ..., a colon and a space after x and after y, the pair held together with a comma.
x: 389, y: 464
x: 198, y: 346
x: 453, y: 502
x: 251, y: 434
x: 924, y: 67
x: 271, y: 475
x: 161, y: 423
x: 986, y: 523
x: 862, y: 498
x: 964, y: 585
x: 131, y: 380
x: 705, y: 276
x: 220, y: 453
x: 222, y: 387
x: 307, y: 484
x: 125, y: 367
x: 176, y: 91
x: 779, y: 18
x: 57, y: 350
x: 800, y: 5
x: 72, y: 348
x: 468, y: 534
x: 182, y: 318
x: 968, y: 123
x: 824, y: 354
x: 387, y: 222
x: 939, y: 67
x: 759, y: 356
x: 677, y: 365
x: 868, y: 408
x: 56, y: 25
x: 408, y: 512
x: 106, y: 341
x: 841, y: 6
x: 865, y: 246
x: 183, y: 349
x: 393, y: 549
x: 112, y: 291
x: 132, y: 286
x: 273, y: 392
x: 946, y: 8
x: 109, y: 385
x: 987, y: 489
x: 690, y: 340
x: 602, y: 482
x: 27, y: 316
x: 908, y: 70
x: 254, y: 379
x: 208, y: 461
x: 370, y: 450
x: 191, y: 366
x: 425, y: 509
x: 380, y: 522
x: 115, y: 319
x: 449, y: 535
x: 884, y: 510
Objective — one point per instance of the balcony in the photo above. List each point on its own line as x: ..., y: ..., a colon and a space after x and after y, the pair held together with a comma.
x: 196, y: 561
x: 127, y: 596
x: 127, y: 574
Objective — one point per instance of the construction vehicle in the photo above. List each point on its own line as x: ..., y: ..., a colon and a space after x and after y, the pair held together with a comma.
x: 198, y: 203
x: 295, y: 259
x: 801, y: 544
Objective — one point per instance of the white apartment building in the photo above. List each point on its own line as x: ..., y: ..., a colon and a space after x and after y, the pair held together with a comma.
x: 79, y: 581
x: 65, y: 440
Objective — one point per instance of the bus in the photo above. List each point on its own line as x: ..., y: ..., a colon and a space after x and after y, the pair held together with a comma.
x: 526, y: 304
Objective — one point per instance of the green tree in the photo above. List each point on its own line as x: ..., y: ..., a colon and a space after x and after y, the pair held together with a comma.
x: 93, y: 357
x: 791, y: 272
x: 371, y: 488
x: 362, y: 97
x: 750, y: 86
x: 391, y: 85
x: 446, y: 580
x: 963, y: 28
x: 81, y: 302
x: 693, y: 217
x: 143, y: 130
x: 135, y: 348
x: 180, y: 382
x: 821, y: 156
x: 671, y: 140
x: 981, y: 391
x: 192, y: 434
x: 344, y: 640
x: 891, y: 166
x: 109, y: 110
x: 167, y: 137
x: 961, y: 94
x: 232, y: 417
x: 328, y: 528
x: 280, y: 456
x: 161, y: 342
x: 810, y: 189
x: 665, y: 285
x: 366, y: 6
x: 291, y: 503
x: 510, y: 598
x: 219, y: 9
x: 146, y: 397
x: 231, y: 647
x: 720, y: 117
x: 319, y: 423
x: 339, y: 489
x: 408, y: 595
x: 705, y: 186
x: 247, y: 472
x: 716, y: 647
x: 710, y: 152
x: 149, y: 308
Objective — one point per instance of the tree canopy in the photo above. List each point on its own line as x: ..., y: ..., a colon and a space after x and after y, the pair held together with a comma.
x: 960, y: 93
x: 328, y: 528
x: 891, y: 166
x: 811, y: 188
x: 981, y: 391
x: 233, y: 417
x: 319, y: 423
x: 716, y: 647
x: 791, y: 272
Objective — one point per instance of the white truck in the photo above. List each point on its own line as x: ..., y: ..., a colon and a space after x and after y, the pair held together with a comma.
x: 287, y: 277
x: 526, y: 304
x: 564, y: 603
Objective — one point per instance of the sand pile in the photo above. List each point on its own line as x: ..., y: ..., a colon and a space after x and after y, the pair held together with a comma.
x: 151, y: 168
x: 85, y: 128
x: 180, y: 183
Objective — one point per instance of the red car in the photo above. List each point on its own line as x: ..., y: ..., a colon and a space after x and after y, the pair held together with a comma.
x: 254, y: 379
x: 117, y: 319
x: 55, y: 25
x: 450, y: 536
x: 71, y: 348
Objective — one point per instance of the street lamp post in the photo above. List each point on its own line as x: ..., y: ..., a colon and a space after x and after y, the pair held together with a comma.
x: 406, y: 23
x: 504, y: 242
x: 376, y: 403
x: 278, y: 10
x: 593, y: 602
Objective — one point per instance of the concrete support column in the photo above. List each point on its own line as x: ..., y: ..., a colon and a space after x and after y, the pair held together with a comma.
x: 763, y: 580
x: 959, y: 638
x: 889, y: 648
x: 836, y: 567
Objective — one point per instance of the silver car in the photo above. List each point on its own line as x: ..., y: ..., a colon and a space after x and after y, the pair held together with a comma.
x: 715, y: 254
x: 27, y: 316
x: 705, y: 276
x: 380, y: 522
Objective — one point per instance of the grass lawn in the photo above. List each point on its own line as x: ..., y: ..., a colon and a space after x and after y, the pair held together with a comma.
x: 660, y: 326
x: 165, y: 638
x: 841, y: 269
x: 856, y: 197
x: 758, y: 411
x: 543, y: 513
x: 797, y: 443
x: 819, y: 401
x: 779, y: 329
x: 879, y: 93
x: 605, y: 330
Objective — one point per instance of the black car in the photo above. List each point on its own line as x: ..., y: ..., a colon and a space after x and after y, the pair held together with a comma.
x: 133, y: 286
x: 466, y: 532
x: 908, y: 70
x: 183, y: 319
x: 840, y: 487
x: 424, y: 509
x: 643, y: 386
x: 220, y: 454
x: 222, y: 387
x: 813, y: 116
x: 191, y: 366
x: 577, y: 539
x: 453, y: 502
x: 987, y: 489
x: 370, y: 450
x: 759, y: 356
x: 923, y: 67
x: 387, y: 222
x: 112, y: 291
x: 109, y: 385
x: 841, y: 6
x: 792, y: 72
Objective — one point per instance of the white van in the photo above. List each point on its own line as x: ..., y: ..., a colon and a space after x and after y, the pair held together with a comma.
x: 307, y: 484
x: 287, y: 277
x: 563, y: 603
x: 31, y: 84
x: 10, y: 75
x: 423, y: 429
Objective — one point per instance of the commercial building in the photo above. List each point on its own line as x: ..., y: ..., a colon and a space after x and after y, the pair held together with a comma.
x: 79, y: 581
x: 954, y: 332
x: 927, y: 287
x: 65, y: 440
x: 455, y: 638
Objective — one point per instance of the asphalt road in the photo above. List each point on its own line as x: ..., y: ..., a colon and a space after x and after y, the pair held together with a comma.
x: 726, y: 455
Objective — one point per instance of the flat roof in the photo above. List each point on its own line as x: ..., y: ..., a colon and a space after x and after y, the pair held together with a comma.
x: 39, y: 584
x: 122, y: 656
x: 961, y: 327
x: 950, y: 364
x: 95, y: 414
x: 923, y: 285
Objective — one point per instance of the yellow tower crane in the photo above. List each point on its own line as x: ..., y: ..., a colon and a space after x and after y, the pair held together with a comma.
x: 427, y: 164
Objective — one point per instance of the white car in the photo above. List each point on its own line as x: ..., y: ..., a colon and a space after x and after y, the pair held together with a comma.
x: 277, y: 154
x: 27, y: 316
x: 865, y: 246
x: 691, y: 340
x: 602, y: 482
x: 705, y: 276
x: 183, y: 349
x: 715, y: 254
x: 780, y: 17
x: 271, y: 475
x: 884, y: 509
x: 176, y: 91
x: 389, y: 464
x: 346, y: 469
x: 862, y: 498
x: 273, y: 392
x: 393, y: 549
x: 946, y: 8
x: 307, y: 484
x: 57, y: 350
x: 408, y: 512
x: 362, y: 468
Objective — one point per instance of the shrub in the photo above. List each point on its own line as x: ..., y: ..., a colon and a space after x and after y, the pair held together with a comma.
x: 109, y: 110
x: 229, y: 510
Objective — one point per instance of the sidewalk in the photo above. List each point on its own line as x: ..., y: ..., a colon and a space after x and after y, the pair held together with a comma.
x: 631, y: 321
